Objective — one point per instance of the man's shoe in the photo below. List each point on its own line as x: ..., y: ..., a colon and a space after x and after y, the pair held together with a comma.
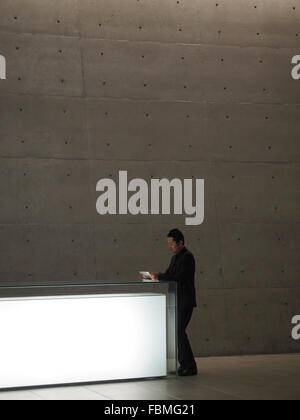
x: 180, y: 370
x: 188, y: 372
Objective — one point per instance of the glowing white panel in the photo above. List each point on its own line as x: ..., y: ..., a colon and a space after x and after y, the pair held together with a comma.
x: 71, y: 339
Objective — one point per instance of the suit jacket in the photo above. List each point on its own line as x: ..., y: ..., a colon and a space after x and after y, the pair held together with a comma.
x: 182, y: 270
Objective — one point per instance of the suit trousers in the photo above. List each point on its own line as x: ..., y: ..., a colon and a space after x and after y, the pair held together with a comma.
x: 185, y: 353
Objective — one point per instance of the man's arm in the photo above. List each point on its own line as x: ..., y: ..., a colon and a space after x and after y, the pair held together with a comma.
x: 164, y: 276
x: 187, y: 268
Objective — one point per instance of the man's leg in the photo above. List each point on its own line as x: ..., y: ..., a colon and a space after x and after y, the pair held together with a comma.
x: 185, y: 353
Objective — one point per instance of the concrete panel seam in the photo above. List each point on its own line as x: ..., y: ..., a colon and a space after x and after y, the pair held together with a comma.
x: 124, y: 99
x: 268, y: 162
x: 80, y: 37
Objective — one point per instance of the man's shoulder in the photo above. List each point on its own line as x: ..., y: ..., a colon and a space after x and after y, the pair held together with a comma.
x: 188, y: 254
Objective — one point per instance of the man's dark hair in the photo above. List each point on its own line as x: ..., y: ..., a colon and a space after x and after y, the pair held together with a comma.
x: 176, y: 235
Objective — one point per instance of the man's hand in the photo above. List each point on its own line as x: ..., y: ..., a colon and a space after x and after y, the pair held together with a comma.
x: 154, y: 276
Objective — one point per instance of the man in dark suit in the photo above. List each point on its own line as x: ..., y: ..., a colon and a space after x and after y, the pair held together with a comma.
x: 182, y: 270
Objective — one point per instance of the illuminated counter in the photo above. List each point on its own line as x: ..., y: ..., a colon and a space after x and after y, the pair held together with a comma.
x: 82, y: 338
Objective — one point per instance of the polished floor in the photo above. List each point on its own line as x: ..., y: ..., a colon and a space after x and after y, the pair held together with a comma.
x: 274, y: 377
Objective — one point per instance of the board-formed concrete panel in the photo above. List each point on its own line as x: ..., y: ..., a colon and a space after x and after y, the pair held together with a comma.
x: 46, y: 191
x: 258, y: 192
x: 260, y: 255
x: 140, y: 70
x: 121, y: 129
x: 58, y: 17
x: 41, y: 64
x: 262, y: 23
x: 252, y: 321
x: 42, y: 127
x: 10, y: 175
x: 46, y: 254
x: 127, y: 129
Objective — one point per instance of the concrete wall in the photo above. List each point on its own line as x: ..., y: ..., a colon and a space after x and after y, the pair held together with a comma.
x: 160, y: 88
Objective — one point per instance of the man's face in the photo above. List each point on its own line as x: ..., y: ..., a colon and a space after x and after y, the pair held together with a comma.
x: 174, y: 247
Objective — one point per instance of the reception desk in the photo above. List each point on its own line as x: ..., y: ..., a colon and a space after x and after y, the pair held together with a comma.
x: 65, y: 336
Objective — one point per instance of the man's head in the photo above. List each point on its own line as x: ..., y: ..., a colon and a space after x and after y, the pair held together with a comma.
x: 175, y: 241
